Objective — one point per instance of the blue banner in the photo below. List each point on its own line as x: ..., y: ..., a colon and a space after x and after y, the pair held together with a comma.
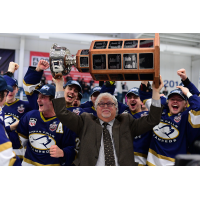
x: 6, y: 56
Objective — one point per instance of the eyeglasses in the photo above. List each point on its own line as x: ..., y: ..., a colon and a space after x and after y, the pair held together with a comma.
x: 109, y: 104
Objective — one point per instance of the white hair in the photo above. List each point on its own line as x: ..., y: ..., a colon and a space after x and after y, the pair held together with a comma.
x: 108, y: 95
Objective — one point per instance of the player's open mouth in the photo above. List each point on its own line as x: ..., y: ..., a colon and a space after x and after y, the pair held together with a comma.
x: 175, y: 107
x: 133, y: 104
x: 69, y: 96
x: 40, y: 105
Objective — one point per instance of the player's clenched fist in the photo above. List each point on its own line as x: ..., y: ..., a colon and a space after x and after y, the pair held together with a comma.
x: 13, y: 67
x: 182, y: 74
x: 56, y: 152
x: 42, y: 65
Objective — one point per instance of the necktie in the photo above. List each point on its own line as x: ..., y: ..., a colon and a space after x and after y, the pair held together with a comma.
x: 108, y: 147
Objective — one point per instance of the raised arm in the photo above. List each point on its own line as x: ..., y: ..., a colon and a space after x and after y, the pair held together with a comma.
x: 145, y: 124
x: 32, y: 80
x: 186, y: 82
x: 71, y: 120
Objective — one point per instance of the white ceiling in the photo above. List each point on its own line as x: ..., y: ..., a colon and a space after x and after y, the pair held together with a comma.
x: 175, y: 43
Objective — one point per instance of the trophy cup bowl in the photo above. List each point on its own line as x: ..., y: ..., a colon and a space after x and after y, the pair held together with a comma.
x: 61, y: 61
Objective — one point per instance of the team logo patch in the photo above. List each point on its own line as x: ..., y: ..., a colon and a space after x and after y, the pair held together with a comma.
x: 21, y: 108
x: 9, y: 119
x: 177, y: 118
x: 41, y: 141
x: 32, y: 122
x: 76, y: 111
x: 53, y: 126
x: 165, y: 131
x: 45, y: 87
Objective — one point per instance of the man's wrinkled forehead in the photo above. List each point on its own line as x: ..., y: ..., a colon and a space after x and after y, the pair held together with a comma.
x: 106, y: 99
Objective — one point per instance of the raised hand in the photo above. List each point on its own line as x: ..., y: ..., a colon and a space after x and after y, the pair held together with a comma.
x: 182, y: 74
x: 13, y: 67
x: 59, y: 84
x: 42, y: 65
x: 184, y: 89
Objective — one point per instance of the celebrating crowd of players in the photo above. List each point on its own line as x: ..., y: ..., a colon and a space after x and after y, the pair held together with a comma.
x: 32, y: 135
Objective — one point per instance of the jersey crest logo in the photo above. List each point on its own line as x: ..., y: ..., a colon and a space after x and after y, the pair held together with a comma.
x: 166, y: 131
x: 177, y: 118
x: 21, y: 108
x: 53, y: 126
x: 41, y: 141
x: 76, y: 111
x: 32, y: 122
x: 10, y: 120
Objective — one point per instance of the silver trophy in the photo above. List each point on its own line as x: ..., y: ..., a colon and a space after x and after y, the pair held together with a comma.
x: 61, y: 61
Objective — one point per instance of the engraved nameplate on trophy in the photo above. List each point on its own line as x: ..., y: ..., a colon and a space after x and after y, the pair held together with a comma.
x: 115, y: 45
x: 100, y: 45
x: 131, y: 44
x: 130, y: 61
x: 114, y: 61
x: 99, y: 61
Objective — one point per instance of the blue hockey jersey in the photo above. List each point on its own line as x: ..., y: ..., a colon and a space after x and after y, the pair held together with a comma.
x: 7, y: 155
x: 174, y: 134
x: 39, y: 134
x: 13, y: 113
x: 141, y: 143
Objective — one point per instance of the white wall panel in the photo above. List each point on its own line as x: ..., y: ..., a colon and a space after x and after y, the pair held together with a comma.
x: 196, y: 72
x: 11, y: 43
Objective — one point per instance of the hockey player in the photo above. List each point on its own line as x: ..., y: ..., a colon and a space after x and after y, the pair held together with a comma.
x: 141, y: 143
x: 48, y: 141
x: 7, y: 155
x: 177, y: 129
x: 93, y: 95
x: 14, y: 109
x: 77, y: 101
x: 32, y: 82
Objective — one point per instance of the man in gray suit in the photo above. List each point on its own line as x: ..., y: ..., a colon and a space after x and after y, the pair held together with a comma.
x: 108, y: 138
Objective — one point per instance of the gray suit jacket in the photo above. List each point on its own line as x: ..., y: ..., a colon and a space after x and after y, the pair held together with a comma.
x: 89, y: 130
